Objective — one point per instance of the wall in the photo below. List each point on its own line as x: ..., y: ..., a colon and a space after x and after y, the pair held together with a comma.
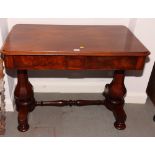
x: 143, y: 29
x: 69, y: 21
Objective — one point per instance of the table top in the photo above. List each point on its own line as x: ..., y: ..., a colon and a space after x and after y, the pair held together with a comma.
x: 107, y: 40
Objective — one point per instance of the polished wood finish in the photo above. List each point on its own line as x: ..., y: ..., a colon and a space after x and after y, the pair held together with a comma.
x: 75, y: 62
x: 52, y: 47
x: 72, y: 47
x: 102, y: 40
x: 151, y: 87
x: 24, y: 99
x: 70, y: 102
x: 114, y: 98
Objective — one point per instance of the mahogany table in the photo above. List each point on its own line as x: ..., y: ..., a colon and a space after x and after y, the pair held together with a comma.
x: 72, y: 47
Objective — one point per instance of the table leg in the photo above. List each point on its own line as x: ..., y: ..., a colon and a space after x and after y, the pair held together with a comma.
x: 24, y: 99
x: 114, y: 98
x: 154, y: 118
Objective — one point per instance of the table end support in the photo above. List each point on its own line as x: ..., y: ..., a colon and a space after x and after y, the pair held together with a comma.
x: 114, y: 98
x: 24, y: 100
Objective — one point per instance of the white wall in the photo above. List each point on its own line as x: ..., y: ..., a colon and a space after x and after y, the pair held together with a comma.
x: 145, y: 31
x: 68, y: 21
x: 136, y: 86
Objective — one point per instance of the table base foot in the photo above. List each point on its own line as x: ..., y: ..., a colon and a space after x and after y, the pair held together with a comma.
x: 23, y: 127
x: 23, y: 118
x: 119, y: 126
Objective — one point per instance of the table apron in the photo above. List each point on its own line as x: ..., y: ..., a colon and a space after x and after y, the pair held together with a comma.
x: 60, y: 62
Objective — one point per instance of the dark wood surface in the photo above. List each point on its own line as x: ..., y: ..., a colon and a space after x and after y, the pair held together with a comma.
x: 44, y: 62
x: 64, y: 47
x: 52, y: 47
x: 151, y: 85
x: 108, y: 40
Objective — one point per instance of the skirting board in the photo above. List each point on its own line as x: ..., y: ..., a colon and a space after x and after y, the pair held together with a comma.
x: 131, y: 97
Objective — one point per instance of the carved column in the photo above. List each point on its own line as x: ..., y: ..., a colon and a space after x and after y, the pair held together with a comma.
x: 24, y: 99
x: 114, y: 98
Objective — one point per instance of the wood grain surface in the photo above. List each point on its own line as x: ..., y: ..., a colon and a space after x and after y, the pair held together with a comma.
x: 31, y: 39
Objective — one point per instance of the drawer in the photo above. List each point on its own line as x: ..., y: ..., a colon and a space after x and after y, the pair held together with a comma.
x: 39, y: 62
x: 111, y: 62
x: 75, y: 62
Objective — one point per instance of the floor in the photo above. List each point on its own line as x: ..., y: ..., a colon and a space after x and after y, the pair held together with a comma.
x: 85, y: 121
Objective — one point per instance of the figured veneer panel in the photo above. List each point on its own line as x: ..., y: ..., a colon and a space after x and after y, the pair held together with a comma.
x: 74, y: 62
x: 113, y: 63
x: 9, y: 62
x: 97, y: 40
x: 39, y: 62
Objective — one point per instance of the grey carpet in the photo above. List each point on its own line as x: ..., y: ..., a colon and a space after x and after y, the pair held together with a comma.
x: 85, y: 121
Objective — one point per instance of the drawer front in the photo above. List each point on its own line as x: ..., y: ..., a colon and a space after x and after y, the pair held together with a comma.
x: 112, y: 63
x: 39, y: 62
x: 49, y: 62
x: 75, y: 62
